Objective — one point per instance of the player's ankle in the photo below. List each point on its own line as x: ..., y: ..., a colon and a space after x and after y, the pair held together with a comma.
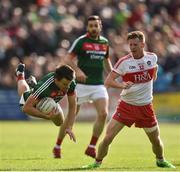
x: 93, y: 141
x: 20, y: 77
x: 57, y: 146
x: 160, y: 159
x: 99, y: 161
x: 92, y: 146
x: 59, y: 142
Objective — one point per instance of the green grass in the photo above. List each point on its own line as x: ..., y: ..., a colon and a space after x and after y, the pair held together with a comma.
x: 28, y: 146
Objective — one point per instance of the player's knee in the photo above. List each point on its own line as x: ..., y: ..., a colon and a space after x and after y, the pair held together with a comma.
x: 59, y: 119
x: 58, y: 123
x: 102, y: 115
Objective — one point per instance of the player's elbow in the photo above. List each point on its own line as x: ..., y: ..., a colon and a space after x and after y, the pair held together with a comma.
x: 25, y: 109
x: 107, y: 83
x: 155, y: 78
x: 66, y: 61
x: 58, y: 119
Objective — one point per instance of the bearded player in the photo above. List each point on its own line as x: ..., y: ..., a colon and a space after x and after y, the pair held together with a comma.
x: 92, y: 54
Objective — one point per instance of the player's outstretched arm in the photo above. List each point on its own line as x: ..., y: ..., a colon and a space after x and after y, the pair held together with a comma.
x: 71, y: 110
x: 71, y: 116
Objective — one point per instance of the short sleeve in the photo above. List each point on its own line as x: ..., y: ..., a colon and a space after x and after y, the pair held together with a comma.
x: 71, y: 89
x: 118, y: 67
x: 75, y: 47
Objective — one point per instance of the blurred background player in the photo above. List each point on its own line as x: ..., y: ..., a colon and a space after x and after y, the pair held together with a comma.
x: 55, y: 85
x: 138, y: 70
x: 92, y: 54
x: 40, y: 34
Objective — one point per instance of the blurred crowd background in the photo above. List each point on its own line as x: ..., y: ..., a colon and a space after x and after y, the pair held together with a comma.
x: 39, y: 33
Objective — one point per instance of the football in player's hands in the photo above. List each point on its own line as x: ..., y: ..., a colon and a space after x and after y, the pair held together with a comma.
x: 46, y: 105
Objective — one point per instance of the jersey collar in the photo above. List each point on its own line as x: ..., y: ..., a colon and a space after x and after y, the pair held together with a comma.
x: 88, y: 36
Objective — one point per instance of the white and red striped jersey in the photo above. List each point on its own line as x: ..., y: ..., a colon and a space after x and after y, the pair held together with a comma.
x: 140, y: 72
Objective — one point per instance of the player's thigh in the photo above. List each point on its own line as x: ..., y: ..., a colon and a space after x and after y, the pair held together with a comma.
x: 83, y: 93
x: 113, y: 128
x: 101, y: 106
x: 98, y: 92
x: 22, y: 87
x: 81, y: 100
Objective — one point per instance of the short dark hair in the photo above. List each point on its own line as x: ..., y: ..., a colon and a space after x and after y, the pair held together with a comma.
x: 136, y: 34
x: 94, y: 17
x: 64, y: 71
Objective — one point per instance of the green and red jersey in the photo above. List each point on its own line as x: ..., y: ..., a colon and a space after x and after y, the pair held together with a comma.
x: 91, y: 54
x: 46, y: 87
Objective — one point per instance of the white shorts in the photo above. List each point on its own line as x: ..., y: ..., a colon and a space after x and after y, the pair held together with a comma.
x: 22, y: 101
x: 88, y: 93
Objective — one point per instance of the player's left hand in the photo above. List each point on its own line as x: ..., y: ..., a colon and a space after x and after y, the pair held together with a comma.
x: 52, y: 114
x: 71, y: 134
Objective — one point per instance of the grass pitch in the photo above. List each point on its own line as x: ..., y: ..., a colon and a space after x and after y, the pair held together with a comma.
x: 27, y: 146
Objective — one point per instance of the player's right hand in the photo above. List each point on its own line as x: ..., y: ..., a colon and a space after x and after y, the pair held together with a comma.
x: 127, y: 85
x: 71, y: 134
x: 80, y: 76
x: 52, y: 114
